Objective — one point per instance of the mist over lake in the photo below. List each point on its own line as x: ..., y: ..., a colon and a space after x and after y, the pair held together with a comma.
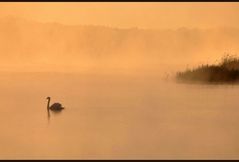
x: 119, y: 80
x: 116, y: 117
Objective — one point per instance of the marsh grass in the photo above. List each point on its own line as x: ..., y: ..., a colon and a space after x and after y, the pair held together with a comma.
x: 227, y: 71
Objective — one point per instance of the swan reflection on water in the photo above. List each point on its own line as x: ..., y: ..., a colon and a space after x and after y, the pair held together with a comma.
x: 56, y: 108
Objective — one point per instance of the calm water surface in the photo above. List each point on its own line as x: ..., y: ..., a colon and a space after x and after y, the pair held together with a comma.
x: 116, y: 117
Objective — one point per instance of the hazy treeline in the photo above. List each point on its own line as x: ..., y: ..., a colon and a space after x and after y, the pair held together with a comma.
x: 29, y: 43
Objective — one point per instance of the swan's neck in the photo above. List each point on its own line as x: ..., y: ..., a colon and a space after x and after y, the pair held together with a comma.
x: 48, y: 104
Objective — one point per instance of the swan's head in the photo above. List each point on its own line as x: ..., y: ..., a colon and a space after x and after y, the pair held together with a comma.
x: 48, y: 98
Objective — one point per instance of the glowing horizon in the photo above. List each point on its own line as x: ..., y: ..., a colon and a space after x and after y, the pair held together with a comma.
x: 147, y: 15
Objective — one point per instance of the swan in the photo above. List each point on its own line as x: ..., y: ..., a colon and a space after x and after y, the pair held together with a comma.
x: 55, y: 106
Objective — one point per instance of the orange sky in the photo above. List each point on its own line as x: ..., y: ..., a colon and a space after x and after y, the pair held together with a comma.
x: 129, y: 14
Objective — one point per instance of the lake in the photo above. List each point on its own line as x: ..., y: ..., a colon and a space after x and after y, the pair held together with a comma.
x: 118, y: 116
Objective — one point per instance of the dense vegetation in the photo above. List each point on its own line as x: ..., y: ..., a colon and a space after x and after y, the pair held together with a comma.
x: 226, y: 71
